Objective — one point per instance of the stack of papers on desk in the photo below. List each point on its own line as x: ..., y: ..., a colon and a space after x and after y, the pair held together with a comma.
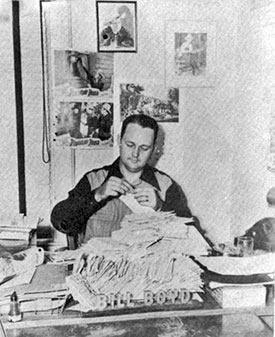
x: 115, y: 267
x: 146, y: 227
x: 128, y: 276
x: 165, y: 229
x: 45, y: 291
x: 17, y: 231
x: 226, y: 265
x: 239, y: 281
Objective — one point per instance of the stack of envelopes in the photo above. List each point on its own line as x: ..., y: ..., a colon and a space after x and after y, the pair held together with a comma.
x: 164, y: 228
x: 113, y: 267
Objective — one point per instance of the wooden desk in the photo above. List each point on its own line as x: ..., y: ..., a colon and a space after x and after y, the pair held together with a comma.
x: 199, y: 323
x: 206, y: 321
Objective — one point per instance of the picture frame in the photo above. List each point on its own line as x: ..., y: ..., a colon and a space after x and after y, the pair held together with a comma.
x: 116, y: 26
x: 151, y: 99
x: 190, y: 53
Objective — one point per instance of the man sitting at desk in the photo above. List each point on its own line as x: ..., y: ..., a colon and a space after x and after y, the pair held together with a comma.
x: 94, y: 205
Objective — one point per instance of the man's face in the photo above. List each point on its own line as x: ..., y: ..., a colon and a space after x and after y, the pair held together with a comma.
x: 136, y: 147
x: 74, y: 108
x: 91, y: 112
x: 116, y: 25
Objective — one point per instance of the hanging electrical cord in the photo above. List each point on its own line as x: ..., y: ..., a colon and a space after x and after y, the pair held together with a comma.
x: 46, y: 154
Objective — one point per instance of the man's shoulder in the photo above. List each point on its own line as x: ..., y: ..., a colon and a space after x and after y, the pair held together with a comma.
x: 160, y: 172
x: 162, y: 177
x: 97, y: 175
x: 105, y: 168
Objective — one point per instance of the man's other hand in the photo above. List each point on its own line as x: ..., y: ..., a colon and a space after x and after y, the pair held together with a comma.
x: 147, y: 196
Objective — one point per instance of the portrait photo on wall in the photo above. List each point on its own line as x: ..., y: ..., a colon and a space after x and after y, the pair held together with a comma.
x: 116, y: 26
x: 83, y: 74
x: 190, y: 54
x: 156, y: 101
x: 86, y: 123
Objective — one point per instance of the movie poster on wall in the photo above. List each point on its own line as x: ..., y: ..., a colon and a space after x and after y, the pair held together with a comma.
x: 83, y: 123
x: 190, y: 53
x: 156, y: 101
x: 83, y: 99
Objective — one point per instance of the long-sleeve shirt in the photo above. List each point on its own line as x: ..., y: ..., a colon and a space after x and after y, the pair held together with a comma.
x: 71, y: 215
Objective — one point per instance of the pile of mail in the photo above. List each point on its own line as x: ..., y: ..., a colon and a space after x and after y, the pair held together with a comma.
x: 165, y: 229
x: 109, y: 267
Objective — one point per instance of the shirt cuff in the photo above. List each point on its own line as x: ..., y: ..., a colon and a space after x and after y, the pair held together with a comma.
x: 93, y: 201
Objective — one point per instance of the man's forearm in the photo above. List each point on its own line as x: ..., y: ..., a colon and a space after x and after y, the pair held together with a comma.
x: 70, y: 215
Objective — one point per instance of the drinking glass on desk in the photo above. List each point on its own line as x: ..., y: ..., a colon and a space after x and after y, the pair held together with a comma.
x: 245, y: 246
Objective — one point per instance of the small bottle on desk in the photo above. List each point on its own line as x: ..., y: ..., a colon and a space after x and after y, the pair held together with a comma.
x: 14, y: 314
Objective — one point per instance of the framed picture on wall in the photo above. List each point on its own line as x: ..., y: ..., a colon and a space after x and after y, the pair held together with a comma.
x: 190, y: 53
x: 116, y: 26
x: 156, y: 101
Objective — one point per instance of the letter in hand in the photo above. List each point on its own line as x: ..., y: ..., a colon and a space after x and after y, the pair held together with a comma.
x: 113, y: 187
x: 146, y: 196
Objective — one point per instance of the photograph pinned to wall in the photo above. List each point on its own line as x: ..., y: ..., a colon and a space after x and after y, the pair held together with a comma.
x: 190, y: 53
x: 83, y: 123
x: 116, y: 26
x: 154, y: 100
x: 83, y: 74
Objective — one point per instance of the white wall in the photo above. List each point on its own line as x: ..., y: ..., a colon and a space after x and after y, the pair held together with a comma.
x: 254, y: 108
x: 218, y: 151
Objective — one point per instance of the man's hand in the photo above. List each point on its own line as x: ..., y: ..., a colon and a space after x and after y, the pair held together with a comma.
x: 113, y: 187
x: 147, y: 196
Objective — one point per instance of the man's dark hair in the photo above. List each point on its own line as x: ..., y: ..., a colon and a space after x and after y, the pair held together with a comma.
x: 142, y: 120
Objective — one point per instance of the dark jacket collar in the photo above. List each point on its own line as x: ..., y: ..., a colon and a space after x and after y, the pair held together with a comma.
x: 148, y: 174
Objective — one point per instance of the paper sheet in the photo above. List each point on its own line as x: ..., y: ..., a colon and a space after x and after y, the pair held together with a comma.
x: 259, y: 264
x: 23, y: 278
x: 214, y: 285
x: 134, y: 205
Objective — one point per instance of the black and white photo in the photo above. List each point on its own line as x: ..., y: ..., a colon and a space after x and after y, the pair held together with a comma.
x: 117, y: 26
